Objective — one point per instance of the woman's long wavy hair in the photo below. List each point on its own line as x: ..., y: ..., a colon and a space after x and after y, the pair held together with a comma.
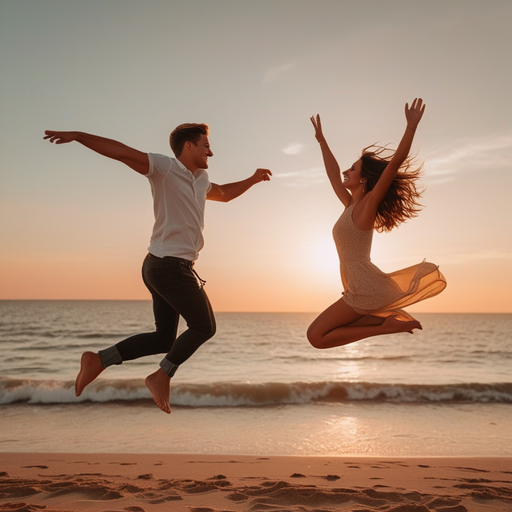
x: 401, y: 201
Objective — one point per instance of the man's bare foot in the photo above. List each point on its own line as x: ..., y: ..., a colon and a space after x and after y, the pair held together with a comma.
x: 90, y: 368
x: 393, y: 325
x: 160, y: 386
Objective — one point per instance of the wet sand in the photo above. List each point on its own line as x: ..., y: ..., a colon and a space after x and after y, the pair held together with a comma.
x: 208, y: 483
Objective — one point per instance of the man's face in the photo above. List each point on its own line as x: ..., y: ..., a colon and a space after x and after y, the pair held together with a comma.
x: 201, y: 152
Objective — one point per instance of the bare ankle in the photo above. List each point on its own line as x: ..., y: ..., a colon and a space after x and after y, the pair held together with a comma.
x: 159, y: 385
x: 90, y: 367
x: 394, y: 325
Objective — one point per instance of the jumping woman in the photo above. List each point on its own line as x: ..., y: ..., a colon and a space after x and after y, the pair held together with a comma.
x: 379, y: 192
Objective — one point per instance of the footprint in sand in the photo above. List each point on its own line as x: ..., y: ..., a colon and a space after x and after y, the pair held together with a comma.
x: 24, y: 507
x: 237, y: 496
x: 473, y: 469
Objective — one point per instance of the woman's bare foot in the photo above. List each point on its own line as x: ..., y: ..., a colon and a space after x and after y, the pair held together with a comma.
x: 393, y: 325
x: 90, y: 368
x: 160, y: 386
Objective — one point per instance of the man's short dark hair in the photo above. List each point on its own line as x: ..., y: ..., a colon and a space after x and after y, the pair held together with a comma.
x: 186, y: 132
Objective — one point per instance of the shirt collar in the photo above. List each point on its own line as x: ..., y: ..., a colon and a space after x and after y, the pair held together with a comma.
x: 181, y: 166
x: 188, y: 171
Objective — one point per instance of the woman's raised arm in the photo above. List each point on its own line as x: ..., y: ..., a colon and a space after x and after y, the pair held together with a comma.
x: 413, y: 115
x: 331, y: 165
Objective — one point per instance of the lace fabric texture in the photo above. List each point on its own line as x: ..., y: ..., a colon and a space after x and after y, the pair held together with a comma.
x: 367, y: 289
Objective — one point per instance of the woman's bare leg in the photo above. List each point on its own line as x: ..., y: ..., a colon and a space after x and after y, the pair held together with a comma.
x: 338, y: 325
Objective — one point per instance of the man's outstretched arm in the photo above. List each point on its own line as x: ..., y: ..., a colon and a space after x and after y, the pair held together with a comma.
x: 133, y: 158
x: 230, y: 191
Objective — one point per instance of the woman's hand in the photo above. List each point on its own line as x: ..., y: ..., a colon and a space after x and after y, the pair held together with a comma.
x: 415, y: 113
x: 318, y: 128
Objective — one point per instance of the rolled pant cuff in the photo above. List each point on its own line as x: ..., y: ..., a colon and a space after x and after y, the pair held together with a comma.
x: 168, y: 368
x: 110, y: 356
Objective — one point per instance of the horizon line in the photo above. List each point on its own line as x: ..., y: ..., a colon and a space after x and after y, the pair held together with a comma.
x: 257, y: 311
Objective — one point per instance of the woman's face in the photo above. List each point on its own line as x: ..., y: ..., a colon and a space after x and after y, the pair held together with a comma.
x: 352, y: 176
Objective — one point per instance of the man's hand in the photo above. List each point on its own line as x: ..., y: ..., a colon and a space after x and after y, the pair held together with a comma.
x: 261, y: 175
x: 60, y: 137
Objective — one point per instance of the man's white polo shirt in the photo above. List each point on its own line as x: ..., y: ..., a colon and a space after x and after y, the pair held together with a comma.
x: 179, y: 198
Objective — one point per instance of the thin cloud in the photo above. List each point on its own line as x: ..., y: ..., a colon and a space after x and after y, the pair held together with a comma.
x: 313, y: 172
x: 303, y: 178
x: 445, y: 163
x: 273, y: 74
x: 293, y: 149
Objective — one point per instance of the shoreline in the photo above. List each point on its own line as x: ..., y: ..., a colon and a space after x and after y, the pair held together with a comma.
x: 353, y: 429
x: 230, y: 483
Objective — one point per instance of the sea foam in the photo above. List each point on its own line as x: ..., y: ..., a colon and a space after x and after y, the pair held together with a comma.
x: 247, y: 394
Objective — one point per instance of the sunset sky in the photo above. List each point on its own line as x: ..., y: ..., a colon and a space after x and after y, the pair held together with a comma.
x: 75, y: 225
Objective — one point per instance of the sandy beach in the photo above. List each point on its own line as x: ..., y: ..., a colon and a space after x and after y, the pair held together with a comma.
x: 209, y: 483
x: 260, y: 423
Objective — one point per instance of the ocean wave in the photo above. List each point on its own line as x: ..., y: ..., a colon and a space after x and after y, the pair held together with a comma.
x: 246, y: 394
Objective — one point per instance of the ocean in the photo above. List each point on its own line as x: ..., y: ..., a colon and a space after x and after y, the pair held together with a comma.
x: 258, y: 387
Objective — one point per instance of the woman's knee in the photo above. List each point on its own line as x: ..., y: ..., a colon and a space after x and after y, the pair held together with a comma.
x: 315, y: 337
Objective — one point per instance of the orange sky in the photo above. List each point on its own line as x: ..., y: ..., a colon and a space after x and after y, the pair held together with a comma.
x: 74, y: 225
